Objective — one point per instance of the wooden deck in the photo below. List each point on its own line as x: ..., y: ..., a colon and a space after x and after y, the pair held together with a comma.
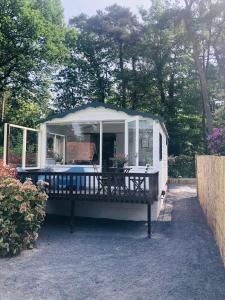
x: 109, y: 187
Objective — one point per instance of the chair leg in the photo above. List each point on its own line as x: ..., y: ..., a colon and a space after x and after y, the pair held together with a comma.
x: 72, y: 205
x: 149, y: 220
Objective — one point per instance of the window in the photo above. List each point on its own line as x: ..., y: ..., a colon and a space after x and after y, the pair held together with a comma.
x: 132, y: 143
x: 145, y: 142
x: 31, y: 149
x: 56, y: 147
x: 160, y: 146
x: 75, y: 143
x: 21, y: 146
x: 15, y: 146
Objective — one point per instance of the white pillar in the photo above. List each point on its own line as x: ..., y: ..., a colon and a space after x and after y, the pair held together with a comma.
x: 5, y: 148
x: 43, y: 146
x: 137, y: 142
x: 101, y: 145
x: 24, y: 150
x: 126, y: 139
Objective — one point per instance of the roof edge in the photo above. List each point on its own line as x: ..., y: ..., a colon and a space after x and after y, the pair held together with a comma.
x: 96, y: 104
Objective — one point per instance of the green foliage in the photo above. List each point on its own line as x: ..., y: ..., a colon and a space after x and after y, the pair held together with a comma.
x: 32, y: 45
x: 181, y: 166
x: 143, y: 65
x: 24, y: 113
x: 21, y: 214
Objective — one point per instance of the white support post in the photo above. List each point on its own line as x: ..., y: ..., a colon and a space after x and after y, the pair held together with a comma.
x: 24, y: 150
x: 38, y: 147
x: 137, y: 142
x: 64, y: 150
x: 101, y: 145
x: 5, y: 148
x: 126, y: 138
x: 156, y: 146
x: 43, y: 146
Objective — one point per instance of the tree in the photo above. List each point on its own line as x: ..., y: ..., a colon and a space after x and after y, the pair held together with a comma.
x: 169, y: 61
x: 86, y: 74
x: 31, y: 44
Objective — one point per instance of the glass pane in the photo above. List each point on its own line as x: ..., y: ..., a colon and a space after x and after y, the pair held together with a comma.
x: 32, y: 149
x: 132, y: 143
x: 15, y: 140
x: 82, y: 142
x: 145, y: 142
x: 113, y: 144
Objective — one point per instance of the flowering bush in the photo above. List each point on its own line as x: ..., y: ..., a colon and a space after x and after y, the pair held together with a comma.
x: 216, y: 141
x: 21, y: 213
x: 6, y: 171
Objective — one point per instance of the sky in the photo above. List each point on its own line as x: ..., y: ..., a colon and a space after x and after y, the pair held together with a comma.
x: 89, y: 7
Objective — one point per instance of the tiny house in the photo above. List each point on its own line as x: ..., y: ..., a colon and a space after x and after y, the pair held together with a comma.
x: 93, y: 138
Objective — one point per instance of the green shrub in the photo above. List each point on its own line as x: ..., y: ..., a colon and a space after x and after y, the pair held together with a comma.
x: 21, y: 213
x: 181, y: 166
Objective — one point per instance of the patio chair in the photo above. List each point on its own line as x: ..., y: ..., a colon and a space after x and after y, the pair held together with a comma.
x: 102, y: 181
x: 138, y: 182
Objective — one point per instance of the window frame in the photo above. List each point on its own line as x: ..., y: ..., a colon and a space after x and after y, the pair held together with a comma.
x: 160, y: 147
x: 24, y: 145
x: 82, y: 122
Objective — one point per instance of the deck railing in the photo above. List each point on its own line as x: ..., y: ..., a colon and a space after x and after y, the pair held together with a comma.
x: 105, y: 186
x: 111, y: 187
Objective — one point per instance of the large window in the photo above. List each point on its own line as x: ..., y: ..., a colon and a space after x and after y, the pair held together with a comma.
x: 132, y: 143
x: 31, y: 149
x: 21, y: 146
x: 76, y: 143
x: 145, y: 142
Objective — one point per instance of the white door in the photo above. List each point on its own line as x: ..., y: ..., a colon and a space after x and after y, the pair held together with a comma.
x: 21, y: 146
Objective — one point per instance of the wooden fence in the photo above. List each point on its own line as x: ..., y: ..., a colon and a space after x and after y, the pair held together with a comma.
x: 210, y: 173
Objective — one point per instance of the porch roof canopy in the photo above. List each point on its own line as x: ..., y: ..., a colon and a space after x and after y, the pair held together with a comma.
x: 96, y: 104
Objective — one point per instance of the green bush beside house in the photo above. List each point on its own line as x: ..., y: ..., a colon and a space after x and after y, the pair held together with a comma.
x: 22, y: 210
x: 181, y: 166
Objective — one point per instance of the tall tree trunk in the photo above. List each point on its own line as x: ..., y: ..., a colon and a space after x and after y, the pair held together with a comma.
x: 134, y: 94
x: 123, y: 83
x: 4, y: 96
x: 161, y: 91
x: 171, y: 107
x: 221, y: 66
x: 199, y: 67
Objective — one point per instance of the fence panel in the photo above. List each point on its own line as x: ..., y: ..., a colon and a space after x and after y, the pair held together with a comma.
x: 210, y: 173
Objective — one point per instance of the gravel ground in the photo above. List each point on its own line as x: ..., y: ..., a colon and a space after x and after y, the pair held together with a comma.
x: 106, y: 259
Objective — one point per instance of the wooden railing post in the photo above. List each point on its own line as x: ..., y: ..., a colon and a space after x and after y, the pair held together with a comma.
x: 72, y: 204
x: 149, y: 212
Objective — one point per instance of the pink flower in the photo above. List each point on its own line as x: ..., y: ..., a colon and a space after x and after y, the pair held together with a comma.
x: 18, y: 198
x: 23, y: 207
x: 29, y: 217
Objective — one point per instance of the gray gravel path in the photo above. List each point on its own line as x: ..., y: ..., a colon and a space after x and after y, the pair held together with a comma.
x: 114, y: 260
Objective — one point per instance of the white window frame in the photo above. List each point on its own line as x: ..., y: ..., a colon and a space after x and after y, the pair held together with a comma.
x: 24, y: 129
x: 54, y: 144
x: 136, y: 119
x: 99, y: 122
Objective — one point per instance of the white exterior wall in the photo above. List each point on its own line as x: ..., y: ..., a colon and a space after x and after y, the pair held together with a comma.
x: 124, y: 211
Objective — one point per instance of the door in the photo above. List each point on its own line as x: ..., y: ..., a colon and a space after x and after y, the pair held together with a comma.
x: 21, y: 146
x: 108, y: 150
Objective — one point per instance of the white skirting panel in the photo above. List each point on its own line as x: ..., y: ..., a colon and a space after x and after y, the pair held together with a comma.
x: 94, y: 209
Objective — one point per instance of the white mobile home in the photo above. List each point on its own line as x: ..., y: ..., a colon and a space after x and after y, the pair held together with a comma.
x: 89, y: 139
